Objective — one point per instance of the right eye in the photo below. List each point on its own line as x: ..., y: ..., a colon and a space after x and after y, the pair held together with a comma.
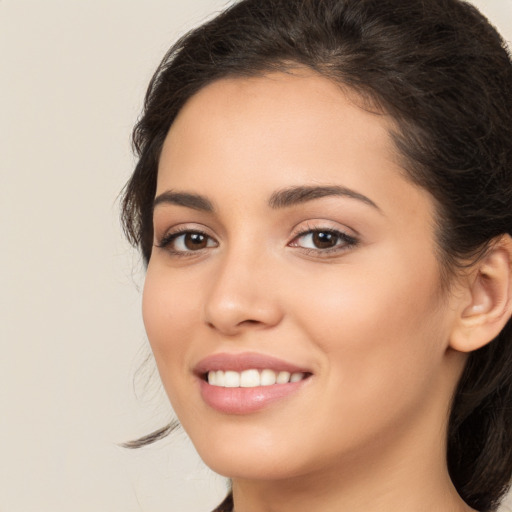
x: 183, y: 242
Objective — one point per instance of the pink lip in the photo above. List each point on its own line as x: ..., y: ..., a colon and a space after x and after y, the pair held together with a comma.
x: 245, y: 361
x: 245, y: 400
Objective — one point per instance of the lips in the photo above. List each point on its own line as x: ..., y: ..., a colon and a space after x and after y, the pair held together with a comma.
x: 245, y: 361
x: 248, y: 382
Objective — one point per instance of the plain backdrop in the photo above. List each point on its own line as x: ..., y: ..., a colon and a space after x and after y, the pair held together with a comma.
x: 72, y: 382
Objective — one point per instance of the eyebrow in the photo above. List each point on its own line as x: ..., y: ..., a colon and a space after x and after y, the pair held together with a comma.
x: 284, y: 198
x: 186, y: 199
x: 297, y: 195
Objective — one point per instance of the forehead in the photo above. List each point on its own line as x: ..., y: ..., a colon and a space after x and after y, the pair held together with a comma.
x: 240, y: 139
x: 278, y: 121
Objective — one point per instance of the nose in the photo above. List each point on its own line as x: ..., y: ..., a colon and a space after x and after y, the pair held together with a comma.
x: 242, y: 296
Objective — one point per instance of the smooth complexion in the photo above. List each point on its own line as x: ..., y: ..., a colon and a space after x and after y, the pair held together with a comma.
x: 285, y: 229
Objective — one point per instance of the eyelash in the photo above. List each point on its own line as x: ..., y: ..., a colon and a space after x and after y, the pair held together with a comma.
x: 167, y: 241
x: 347, y: 241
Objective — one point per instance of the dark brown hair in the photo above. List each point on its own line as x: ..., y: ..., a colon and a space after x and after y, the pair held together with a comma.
x: 444, y: 74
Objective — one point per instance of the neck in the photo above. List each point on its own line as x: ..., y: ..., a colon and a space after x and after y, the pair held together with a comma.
x: 409, y: 476
x: 422, y: 488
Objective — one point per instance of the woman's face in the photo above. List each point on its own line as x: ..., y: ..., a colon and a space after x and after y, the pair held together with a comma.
x: 290, y: 246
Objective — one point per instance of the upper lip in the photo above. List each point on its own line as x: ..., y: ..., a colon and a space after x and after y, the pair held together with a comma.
x: 245, y: 361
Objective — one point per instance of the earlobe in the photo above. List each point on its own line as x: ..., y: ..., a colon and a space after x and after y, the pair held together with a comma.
x: 488, y: 304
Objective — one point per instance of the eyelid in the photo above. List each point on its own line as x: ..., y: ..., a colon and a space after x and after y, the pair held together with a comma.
x: 171, y: 234
x: 341, y: 234
x: 179, y: 228
x: 324, y: 225
x: 348, y: 240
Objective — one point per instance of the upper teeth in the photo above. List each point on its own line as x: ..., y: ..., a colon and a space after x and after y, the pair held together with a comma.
x: 251, y: 378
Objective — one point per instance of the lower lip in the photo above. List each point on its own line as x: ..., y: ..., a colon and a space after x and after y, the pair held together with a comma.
x: 246, y: 400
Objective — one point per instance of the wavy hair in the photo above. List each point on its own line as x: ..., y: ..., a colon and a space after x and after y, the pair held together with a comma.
x: 444, y: 74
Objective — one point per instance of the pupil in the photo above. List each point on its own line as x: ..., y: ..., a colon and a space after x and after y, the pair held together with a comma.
x: 195, y: 241
x: 324, y: 240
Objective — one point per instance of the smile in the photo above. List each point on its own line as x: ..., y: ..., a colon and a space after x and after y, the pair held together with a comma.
x: 248, y: 382
x: 252, y: 378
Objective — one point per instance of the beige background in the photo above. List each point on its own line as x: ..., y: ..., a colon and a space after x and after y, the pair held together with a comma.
x: 73, y: 78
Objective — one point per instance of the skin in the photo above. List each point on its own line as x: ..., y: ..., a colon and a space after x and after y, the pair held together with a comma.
x: 370, y: 319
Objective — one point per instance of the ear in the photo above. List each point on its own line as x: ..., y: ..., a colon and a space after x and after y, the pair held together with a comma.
x: 486, y: 304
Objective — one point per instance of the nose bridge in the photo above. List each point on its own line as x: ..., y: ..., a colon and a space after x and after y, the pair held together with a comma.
x: 241, y: 293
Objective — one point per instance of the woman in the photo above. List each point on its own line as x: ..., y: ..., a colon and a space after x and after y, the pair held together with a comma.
x: 323, y: 199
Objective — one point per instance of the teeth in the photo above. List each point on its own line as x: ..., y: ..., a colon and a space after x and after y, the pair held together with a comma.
x: 252, y: 378
x: 268, y: 377
x: 283, y: 377
x: 232, y: 379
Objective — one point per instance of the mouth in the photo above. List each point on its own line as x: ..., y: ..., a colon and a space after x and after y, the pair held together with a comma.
x: 248, y: 382
x: 252, y: 378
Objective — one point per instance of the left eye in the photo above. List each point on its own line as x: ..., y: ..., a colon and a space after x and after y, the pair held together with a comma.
x: 323, y: 239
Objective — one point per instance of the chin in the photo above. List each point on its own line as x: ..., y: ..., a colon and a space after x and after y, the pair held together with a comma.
x: 255, y: 468
x: 251, y: 454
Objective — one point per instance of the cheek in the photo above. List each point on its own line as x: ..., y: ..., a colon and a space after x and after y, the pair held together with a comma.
x: 379, y: 327
x: 381, y: 341
x: 167, y: 312
x: 388, y: 293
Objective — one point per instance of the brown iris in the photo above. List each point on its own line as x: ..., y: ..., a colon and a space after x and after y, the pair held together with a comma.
x: 195, y: 241
x: 324, y: 239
